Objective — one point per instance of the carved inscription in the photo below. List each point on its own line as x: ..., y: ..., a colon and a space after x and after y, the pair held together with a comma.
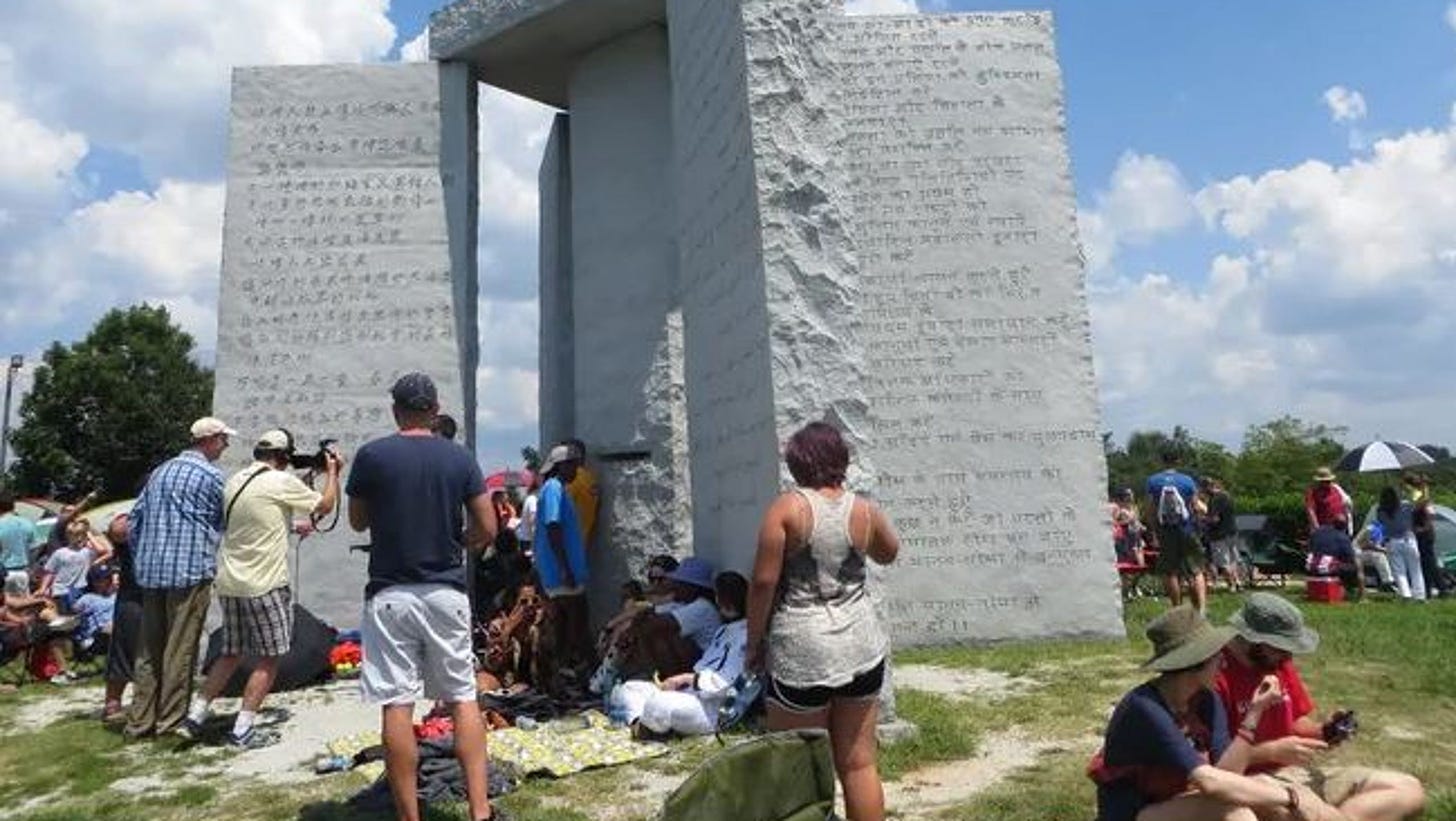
x: 336, y: 270
x: 336, y: 273
x: 982, y: 403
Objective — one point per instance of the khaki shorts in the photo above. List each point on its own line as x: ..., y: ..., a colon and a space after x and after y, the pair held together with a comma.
x: 1334, y: 785
x: 416, y: 642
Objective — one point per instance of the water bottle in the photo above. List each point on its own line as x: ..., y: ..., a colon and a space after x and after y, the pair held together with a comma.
x: 332, y: 764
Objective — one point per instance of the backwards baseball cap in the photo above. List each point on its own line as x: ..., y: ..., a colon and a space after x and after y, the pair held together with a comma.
x: 415, y: 391
x: 558, y: 455
x: 210, y: 426
x: 100, y: 572
x: 276, y: 439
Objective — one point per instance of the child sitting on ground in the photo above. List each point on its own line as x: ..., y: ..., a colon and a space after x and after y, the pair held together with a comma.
x: 64, y: 574
x: 30, y: 623
x: 96, y: 609
x: 688, y: 703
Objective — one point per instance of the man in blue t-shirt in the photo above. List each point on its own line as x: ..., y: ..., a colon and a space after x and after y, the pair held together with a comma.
x: 560, y: 556
x: 17, y: 534
x: 411, y: 491
x: 1180, y: 556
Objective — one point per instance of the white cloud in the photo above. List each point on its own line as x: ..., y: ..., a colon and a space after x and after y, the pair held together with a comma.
x: 880, y: 7
x: 1345, y: 105
x: 1335, y: 306
x: 151, y: 77
x: 416, y: 50
x: 1146, y: 198
x: 34, y: 156
x: 132, y: 246
x: 1451, y: 16
x: 171, y: 238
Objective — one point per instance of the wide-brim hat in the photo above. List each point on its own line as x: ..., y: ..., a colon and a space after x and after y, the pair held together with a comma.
x: 1183, y: 638
x: 694, y: 571
x: 1324, y: 475
x: 1273, y: 620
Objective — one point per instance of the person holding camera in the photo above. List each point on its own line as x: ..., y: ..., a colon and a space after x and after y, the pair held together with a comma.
x: 1287, y: 740
x: 259, y: 506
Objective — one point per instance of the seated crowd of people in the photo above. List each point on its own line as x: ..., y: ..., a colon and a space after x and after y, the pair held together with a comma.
x: 57, y: 591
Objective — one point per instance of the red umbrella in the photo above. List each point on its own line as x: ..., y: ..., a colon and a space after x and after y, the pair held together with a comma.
x: 506, y: 479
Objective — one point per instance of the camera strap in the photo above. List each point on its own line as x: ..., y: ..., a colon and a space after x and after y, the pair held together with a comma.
x: 228, y: 514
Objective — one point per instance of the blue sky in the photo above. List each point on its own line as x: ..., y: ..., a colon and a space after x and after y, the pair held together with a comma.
x: 1267, y: 192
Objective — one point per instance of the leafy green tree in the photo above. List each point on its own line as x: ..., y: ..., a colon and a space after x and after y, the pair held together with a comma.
x: 531, y: 458
x: 1278, y: 457
x: 1143, y: 456
x: 106, y: 410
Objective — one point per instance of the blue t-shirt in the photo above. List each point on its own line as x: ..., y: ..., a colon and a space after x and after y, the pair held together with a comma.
x: 1145, y: 747
x: 97, y: 613
x: 1184, y: 483
x: 554, y: 506
x: 415, y: 489
x: 17, y: 534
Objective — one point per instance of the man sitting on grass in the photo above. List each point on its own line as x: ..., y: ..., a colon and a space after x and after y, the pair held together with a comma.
x: 1287, y: 738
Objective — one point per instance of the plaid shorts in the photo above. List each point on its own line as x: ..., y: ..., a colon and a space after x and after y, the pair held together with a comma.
x: 257, y: 626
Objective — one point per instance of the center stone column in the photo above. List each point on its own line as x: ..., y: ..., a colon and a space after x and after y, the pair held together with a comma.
x: 627, y: 328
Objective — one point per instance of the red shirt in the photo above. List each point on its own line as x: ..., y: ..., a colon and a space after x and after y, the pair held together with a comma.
x: 1236, y: 684
x: 1327, y: 501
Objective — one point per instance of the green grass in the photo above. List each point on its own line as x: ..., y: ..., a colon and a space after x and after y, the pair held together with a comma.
x: 1393, y: 662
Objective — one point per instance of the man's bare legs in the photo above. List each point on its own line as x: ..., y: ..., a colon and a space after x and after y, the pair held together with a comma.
x: 470, y: 749
x: 402, y: 759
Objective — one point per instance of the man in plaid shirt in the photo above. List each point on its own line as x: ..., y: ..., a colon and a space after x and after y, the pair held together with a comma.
x: 176, y: 525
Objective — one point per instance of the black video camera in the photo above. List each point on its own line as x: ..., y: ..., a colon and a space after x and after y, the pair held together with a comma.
x: 1340, y: 727
x: 317, y: 462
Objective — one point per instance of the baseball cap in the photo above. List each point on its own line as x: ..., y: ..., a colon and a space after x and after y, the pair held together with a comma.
x: 100, y: 572
x: 415, y: 391
x: 276, y: 439
x: 558, y: 455
x: 210, y: 426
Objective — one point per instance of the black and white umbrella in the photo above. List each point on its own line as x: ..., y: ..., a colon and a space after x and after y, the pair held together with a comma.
x: 1382, y: 455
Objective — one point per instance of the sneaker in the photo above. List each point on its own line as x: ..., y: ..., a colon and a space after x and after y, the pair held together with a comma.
x: 189, y: 730
x: 254, y: 739
x: 63, y: 678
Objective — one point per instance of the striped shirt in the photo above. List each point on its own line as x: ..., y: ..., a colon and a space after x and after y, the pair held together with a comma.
x: 177, y: 523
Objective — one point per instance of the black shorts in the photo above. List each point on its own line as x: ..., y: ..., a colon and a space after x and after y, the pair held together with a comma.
x: 864, y: 686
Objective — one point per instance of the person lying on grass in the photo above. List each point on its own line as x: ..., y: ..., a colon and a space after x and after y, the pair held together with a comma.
x: 1167, y: 754
x: 1288, y: 740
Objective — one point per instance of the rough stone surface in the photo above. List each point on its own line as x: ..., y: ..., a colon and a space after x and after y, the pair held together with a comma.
x: 531, y: 47
x: 626, y: 326
x: 727, y: 359
x: 557, y: 379
x: 983, y: 403
x: 339, y: 272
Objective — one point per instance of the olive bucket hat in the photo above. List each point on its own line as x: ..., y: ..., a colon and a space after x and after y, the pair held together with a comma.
x: 1269, y: 619
x: 1183, y: 638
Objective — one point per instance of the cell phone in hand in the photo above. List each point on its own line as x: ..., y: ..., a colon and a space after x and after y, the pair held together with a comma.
x: 1341, y: 726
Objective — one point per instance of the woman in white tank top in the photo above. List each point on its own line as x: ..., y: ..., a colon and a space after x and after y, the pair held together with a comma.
x: 812, y: 628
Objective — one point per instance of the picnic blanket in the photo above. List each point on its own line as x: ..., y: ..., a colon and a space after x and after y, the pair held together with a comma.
x: 569, y: 745
x: 557, y: 748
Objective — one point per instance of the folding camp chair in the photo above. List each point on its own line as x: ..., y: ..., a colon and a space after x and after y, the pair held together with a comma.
x: 786, y: 776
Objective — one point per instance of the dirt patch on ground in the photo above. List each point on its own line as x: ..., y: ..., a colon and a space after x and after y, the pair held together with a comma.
x: 928, y: 790
x: 959, y: 683
x: 63, y: 703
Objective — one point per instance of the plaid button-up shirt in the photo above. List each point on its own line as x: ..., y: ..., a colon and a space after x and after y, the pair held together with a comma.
x: 177, y: 523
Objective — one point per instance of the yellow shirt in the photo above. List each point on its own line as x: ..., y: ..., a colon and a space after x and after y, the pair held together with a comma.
x: 585, y: 495
x: 253, y: 558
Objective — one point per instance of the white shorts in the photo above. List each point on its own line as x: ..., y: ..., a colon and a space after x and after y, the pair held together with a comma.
x: 416, y: 642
